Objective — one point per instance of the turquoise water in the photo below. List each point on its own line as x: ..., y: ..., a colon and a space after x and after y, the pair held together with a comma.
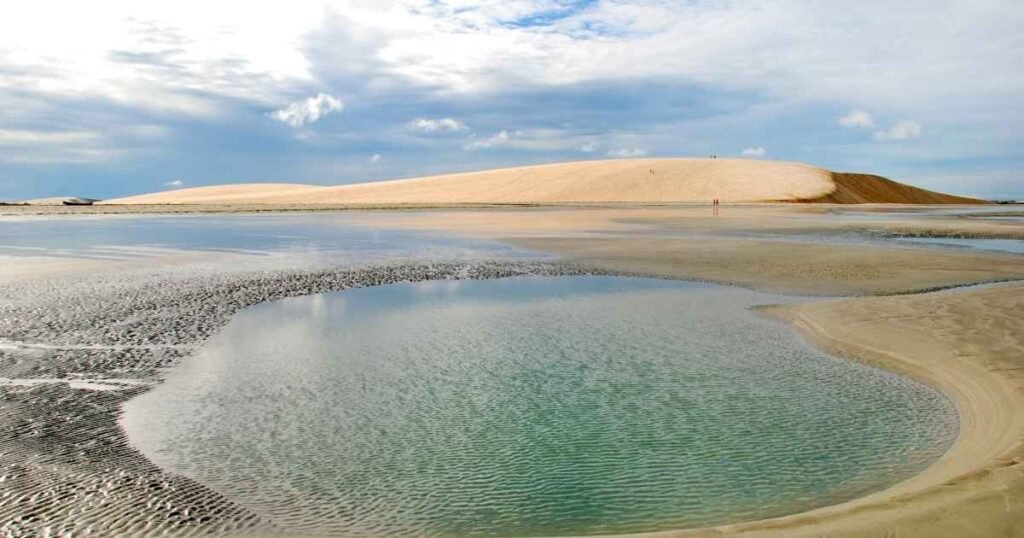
x: 528, y: 407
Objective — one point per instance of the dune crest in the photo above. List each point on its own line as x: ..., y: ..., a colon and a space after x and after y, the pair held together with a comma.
x: 626, y: 180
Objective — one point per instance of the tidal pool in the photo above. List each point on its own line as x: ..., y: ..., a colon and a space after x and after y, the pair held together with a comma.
x: 1015, y: 246
x: 528, y: 407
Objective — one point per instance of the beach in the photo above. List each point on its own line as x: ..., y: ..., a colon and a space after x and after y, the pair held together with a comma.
x: 621, y: 268
x: 898, y: 307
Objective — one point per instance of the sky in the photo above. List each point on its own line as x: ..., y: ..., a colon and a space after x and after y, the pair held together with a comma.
x: 109, y: 97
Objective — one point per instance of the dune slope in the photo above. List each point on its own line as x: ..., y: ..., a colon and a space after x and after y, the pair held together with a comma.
x: 869, y: 188
x: 627, y: 180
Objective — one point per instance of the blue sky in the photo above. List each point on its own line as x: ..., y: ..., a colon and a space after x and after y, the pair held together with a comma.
x: 114, y: 97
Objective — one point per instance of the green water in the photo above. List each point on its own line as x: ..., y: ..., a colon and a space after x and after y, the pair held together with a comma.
x: 531, y: 406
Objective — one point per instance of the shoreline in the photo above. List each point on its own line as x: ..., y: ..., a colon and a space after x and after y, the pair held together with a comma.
x: 66, y: 463
x: 263, y: 208
x: 974, y: 489
x: 991, y: 411
x: 986, y: 456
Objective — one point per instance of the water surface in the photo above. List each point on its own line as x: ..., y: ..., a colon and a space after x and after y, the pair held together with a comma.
x: 531, y: 406
x: 1013, y: 246
x: 328, y: 237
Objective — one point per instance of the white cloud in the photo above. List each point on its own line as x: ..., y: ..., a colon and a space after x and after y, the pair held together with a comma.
x: 497, y: 140
x: 375, y: 158
x: 158, y: 60
x: 589, y: 147
x: 754, y: 152
x: 19, y: 137
x: 28, y: 146
x: 627, y: 152
x: 174, y: 183
x: 904, y: 130
x: 162, y: 54
x: 767, y: 45
x: 427, y: 125
x: 309, y: 110
x: 857, y: 118
x: 155, y: 56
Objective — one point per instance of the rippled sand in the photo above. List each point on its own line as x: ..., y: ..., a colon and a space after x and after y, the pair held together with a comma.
x: 65, y: 464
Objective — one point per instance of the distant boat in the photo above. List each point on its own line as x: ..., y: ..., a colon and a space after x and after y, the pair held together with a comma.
x: 79, y: 201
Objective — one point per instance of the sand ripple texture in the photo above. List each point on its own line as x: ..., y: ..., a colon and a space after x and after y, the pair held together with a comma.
x: 531, y: 407
x: 66, y: 468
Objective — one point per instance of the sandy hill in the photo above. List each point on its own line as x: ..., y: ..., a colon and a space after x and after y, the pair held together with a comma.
x: 632, y: 180
x: 57, y: 200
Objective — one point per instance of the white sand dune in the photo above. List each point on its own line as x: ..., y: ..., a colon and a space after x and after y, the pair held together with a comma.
x: 55, y: 200
x: 632, y: 180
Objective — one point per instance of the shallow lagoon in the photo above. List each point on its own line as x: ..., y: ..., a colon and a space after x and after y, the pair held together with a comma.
x: 328, y: 237
x: 531, y: 406
x: 355, y: 236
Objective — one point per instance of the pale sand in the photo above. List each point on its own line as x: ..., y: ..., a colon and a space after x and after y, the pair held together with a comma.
x: 626, y: 180
x: 784, y: 220
x: 787, y: 267
x: 232, y: 194
x: 967, y: 343
x: 53, y: 200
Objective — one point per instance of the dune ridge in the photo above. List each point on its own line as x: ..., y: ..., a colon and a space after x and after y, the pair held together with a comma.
x: 607, y: 181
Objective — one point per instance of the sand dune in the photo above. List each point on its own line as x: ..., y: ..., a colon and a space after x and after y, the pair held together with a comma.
x: 241, y: 193
x: 872, y: 189
x: 56, y: 200
x: 632, y: 180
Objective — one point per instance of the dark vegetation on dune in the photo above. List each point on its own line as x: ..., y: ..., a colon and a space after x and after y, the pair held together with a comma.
x: 854, y: 188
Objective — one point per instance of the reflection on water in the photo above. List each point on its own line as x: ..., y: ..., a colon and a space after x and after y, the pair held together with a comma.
x: 1015, y: 246
x: 531, y: 406
x: 365, y: 236
x: 855, y: 212
x: 331, y: 236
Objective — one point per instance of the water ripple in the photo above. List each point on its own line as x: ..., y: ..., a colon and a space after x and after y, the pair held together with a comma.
x: 531, y: 407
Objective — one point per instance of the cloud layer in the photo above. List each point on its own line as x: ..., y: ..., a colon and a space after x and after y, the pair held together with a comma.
x: 904, y: 130
x: 427, y: 125
x: 857, y: 118
x: 309, y: 110
x: 627, y: 152
x: 111, y: 97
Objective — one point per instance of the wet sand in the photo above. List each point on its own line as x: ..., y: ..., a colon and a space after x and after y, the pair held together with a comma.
x: 965, y: 342
x: 787, y: 267
x: 67, y: 467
